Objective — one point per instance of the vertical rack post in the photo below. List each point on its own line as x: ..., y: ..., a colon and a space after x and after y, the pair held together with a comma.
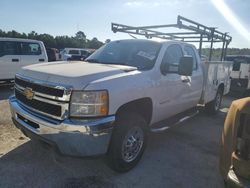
x: 211, y: 46
x: 200, y: 46
x: 223, y: 47
x: 225, y: 52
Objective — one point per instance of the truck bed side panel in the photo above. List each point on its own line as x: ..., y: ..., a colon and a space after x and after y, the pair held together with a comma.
x: 216, y: 73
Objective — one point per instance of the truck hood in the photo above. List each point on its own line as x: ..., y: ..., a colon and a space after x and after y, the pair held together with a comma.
x: 77, y: 74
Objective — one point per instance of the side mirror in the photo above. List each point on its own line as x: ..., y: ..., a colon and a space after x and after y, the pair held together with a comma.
x: 186, y: 66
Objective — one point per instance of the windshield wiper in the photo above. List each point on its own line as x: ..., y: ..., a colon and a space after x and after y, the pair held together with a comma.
x: 108, y: 63
x: 102, y: 62
x: 92, y: 60
x: 114, y: 63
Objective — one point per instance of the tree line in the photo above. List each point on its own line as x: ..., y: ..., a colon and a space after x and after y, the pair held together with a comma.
x: 78, y: 41
x: 216, y: 54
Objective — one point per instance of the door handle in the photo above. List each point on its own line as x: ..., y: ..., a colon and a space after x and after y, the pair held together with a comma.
x: 41, y: 60
x: 186, y: 80
x: 15, y: 60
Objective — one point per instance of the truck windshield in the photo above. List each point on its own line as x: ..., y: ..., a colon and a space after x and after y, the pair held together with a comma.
x: 137, y: 53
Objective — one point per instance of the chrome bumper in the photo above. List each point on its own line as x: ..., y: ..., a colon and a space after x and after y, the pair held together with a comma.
x: 234, y: 181
x: 71, y: 137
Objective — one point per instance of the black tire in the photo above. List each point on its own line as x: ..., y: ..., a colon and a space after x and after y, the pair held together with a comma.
x: 126, y: 124
x: 214, y: 106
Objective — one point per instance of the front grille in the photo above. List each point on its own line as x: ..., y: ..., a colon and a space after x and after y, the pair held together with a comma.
x: 40, y: 88
x: 47, y: 108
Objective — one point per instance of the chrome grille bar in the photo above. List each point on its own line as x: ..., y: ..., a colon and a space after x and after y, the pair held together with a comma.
x: 63, y: 101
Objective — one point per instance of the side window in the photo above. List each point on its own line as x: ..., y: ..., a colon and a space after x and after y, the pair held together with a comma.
x: 30, y: 48
x: 190, y: 51
x: 171, y: 59
x: 8, y: 48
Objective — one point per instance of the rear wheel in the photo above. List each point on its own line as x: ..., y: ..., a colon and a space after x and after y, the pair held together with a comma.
x: 128, y: 142
x: 214, y: 106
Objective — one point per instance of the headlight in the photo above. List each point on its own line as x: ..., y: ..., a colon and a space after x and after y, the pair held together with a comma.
x: 89, y: 103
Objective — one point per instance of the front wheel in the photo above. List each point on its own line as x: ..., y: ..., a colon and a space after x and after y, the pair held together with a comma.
x: 128, y: 142
x: 214, y: 106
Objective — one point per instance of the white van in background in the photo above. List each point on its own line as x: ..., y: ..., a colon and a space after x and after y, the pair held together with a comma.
x: 74, y: 54
x: 240, y: 75
x: 16, y: 53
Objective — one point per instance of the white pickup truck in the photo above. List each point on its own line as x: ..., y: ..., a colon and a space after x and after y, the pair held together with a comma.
x: 107, y: 104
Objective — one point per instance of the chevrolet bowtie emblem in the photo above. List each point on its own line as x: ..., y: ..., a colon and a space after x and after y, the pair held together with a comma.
x: 28, y: 92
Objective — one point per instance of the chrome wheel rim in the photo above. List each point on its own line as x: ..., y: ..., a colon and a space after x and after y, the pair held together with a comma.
x: 217, y: 101
x: 132, y: 144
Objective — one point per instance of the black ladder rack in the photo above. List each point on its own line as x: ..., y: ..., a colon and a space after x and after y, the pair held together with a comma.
x: 194, y: 32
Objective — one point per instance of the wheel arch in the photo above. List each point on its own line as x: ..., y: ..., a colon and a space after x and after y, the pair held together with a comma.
x: 142, y: 106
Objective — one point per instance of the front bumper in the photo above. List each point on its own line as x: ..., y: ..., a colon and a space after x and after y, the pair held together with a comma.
x: 71, y: 137
x: 234, y: 181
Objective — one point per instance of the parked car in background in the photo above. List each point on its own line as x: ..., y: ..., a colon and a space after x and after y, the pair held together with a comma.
x: 53, y: 54
x: 235, y: 145
x: 240, y: 74
x: 74, y: 54
x: 16, y: 53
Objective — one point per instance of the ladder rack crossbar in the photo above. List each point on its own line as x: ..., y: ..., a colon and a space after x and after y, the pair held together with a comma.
x: 194, y: 32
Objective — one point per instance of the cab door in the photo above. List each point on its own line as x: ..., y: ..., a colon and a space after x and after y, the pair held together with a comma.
x: 194, y: 83
x: 171, y: 90
x: 9, y: 59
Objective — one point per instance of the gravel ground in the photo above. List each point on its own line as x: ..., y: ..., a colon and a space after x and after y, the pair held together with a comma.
x: 183, y: 156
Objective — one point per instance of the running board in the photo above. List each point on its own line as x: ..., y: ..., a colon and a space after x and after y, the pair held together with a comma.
x: 157, y: 130
x: 164, y: 128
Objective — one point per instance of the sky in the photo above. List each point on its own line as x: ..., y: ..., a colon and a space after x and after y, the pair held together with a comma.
x: 94, y: 17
